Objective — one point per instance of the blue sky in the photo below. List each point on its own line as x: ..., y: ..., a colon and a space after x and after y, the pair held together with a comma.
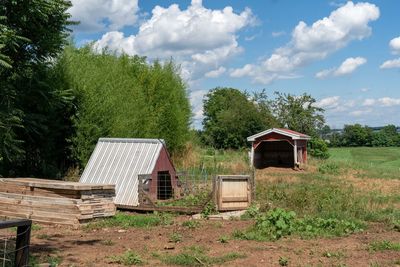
x: 345, y: 54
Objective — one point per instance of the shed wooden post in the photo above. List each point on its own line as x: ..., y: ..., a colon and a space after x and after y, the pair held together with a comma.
x: 295, y: 152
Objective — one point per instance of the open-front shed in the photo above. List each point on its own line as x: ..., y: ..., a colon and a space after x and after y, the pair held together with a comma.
x: 132, y: 165
x: 278, y: 147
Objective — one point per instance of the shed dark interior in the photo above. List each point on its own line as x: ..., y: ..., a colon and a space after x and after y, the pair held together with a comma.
x: 274, y: 154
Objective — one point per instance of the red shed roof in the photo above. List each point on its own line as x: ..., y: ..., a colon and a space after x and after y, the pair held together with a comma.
x: 286, y: 132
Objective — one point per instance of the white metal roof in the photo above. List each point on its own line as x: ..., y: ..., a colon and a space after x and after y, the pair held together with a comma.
x: 286, y: 132
x: 119, y: 161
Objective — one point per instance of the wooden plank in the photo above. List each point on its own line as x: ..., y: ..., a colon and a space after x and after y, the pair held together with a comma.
x: 56, y: 184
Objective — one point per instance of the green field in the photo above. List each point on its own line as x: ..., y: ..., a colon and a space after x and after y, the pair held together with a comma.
x: 373, y: 162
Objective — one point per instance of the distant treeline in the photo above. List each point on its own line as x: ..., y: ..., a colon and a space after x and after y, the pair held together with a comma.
x: 358, y: 135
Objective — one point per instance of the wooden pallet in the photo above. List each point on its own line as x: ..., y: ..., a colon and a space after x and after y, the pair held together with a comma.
x: 51, y: 201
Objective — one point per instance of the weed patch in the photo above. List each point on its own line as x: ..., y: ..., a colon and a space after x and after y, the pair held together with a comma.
x: 127, y: 258
x: 384, y: 245
x: 197, y: 256
x: 278, y: 223
x: 125, y: 220
x: 191, y: 224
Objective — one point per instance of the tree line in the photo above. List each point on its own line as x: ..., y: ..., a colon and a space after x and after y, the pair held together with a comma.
x: 358, y: 135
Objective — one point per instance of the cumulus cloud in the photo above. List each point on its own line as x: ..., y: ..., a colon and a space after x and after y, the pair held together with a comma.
x: 395, y: 45
x: 347, y: 67
x: 328, y: 102
x: 315, y: 42
x: 200, y: 39
x: 388, y: 101
x: 369, y: 102
x: 390, y: 64
x: 215, y: 73
x: 102, y: 15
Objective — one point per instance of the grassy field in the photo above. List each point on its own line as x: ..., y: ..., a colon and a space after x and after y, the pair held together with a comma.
x: 376, y: 162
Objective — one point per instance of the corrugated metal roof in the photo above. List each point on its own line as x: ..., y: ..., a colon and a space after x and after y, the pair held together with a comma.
x: 119, y: 161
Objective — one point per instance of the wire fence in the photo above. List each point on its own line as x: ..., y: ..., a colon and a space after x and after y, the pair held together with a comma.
x: 14, y: 243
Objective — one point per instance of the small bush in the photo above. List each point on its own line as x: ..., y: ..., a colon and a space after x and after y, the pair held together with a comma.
x: 209, y: 209
x: 318, y: 148
x: 127, y: 258
x: 283, y: 261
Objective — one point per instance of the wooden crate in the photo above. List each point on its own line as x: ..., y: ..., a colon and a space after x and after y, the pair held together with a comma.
x: 232, y: 192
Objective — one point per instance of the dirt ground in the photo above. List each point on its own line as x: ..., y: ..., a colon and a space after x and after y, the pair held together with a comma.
x: 93, y: 248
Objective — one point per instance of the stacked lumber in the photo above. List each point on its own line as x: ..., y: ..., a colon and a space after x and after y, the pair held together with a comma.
x: 52, y: 201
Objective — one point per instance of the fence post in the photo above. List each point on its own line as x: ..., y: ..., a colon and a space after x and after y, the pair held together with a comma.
x: 22, y: 244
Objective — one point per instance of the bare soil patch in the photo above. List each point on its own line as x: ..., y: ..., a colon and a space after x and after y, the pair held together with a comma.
x: 94, y: 248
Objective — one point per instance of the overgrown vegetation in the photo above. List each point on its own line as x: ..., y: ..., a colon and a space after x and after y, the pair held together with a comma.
x: 278, y: 223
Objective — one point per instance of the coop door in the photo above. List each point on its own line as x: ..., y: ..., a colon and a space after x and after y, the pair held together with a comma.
x: 164, y: 186
x: 233, y: 192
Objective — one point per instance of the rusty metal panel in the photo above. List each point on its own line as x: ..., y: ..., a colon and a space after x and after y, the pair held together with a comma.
x: 233, y: 192
x: 119, y: 161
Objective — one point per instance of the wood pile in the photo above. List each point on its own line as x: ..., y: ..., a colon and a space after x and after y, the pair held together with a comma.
x: 52, y: 201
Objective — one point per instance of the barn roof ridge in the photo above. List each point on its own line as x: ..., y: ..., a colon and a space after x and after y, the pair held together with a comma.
x: 132, y: 140
x: 283, y: 131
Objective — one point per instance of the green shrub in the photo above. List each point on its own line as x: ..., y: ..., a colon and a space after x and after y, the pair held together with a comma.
x: 318, y: 148
x: 283, y: 261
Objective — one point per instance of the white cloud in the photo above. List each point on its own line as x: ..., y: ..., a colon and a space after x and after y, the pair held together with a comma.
x: 364, y: 90
x: 196, y: 100
x: 215, y: 73
x: 360, y: 112
x: 395, y: 45
x: 101, y: 15
x: 277, y: 34
x: 390, y: 64
x: 328, y: 102
x: 316, y: 42
x: 347, y: 67
x: 369, y: 102
x: 200, y: 39
x: 350, y: 65
x: 388, y: 101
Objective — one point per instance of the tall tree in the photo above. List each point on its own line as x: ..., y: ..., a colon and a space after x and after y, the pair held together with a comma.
x: 32, y: 33
x: 123, y: 96
x: 298, y: 113
x: 231, y: 115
